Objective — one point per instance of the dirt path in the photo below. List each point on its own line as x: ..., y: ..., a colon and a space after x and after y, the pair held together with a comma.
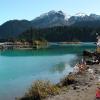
x: 85, y: 93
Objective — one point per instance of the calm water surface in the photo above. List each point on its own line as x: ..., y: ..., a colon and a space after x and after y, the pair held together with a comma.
x: 19, y: 68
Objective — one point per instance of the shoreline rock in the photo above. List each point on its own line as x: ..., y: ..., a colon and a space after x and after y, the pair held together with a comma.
x: 85, y: 88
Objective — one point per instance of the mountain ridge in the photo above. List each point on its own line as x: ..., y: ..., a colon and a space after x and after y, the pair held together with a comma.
x: 53, y: 18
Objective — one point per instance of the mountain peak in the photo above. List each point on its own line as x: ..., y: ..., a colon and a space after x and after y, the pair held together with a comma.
x: 51, y: 18
x: 53, y: 13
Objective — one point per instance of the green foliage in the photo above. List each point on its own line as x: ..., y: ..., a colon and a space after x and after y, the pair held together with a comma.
x: 61, y: 34
x: 58, y: 34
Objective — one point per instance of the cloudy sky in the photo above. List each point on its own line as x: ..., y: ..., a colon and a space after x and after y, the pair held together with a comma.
x: 29, y: 9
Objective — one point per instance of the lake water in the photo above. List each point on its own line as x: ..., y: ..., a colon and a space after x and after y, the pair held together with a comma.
x: 19, y: 68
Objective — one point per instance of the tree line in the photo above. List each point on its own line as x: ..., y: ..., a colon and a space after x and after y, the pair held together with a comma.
x: 61, y: 34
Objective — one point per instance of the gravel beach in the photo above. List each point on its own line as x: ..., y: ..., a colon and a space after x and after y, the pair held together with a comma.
x: 84, y: 89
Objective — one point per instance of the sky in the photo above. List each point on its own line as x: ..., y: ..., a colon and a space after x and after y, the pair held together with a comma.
x: 30, y: 9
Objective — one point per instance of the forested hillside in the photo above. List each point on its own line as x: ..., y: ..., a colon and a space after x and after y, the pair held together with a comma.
x: 63, y: 33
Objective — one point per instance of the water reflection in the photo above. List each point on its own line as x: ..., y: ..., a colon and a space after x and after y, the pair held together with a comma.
x: 51, y: 51
x: 59, y: 67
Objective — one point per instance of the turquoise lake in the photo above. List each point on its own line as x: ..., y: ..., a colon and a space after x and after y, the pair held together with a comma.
x: 19, y: 68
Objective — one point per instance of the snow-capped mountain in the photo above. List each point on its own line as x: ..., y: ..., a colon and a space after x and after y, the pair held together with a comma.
x: 50, y: 19
x: 53, y: 13
x: 94, y: 17
x: 83, y: 18
x: 59, y: 18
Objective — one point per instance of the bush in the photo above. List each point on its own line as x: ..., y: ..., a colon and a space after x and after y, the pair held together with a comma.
x: 40, y: 90
x: 70, y: 79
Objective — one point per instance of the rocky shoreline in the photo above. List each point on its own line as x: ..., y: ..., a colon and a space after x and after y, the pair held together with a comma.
x: 83, y: 89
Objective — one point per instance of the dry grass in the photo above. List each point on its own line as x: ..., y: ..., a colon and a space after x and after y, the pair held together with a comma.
x: 43, y: 89
x: 70, y: 79
x: 40, y: 90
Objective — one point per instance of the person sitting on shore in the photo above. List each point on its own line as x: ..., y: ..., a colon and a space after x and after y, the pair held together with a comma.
x: 82, y: 67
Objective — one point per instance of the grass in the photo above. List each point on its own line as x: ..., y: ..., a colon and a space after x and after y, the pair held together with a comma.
x: 40, y: 90
x: 43, y: 89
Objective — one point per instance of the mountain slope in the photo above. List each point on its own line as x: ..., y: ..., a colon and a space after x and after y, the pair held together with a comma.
x: 13, y: 28
x: 84, y: 20
x: 50, y: 19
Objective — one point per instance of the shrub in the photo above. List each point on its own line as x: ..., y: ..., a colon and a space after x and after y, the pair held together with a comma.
x: 40, y: 90
x: 70, y: 79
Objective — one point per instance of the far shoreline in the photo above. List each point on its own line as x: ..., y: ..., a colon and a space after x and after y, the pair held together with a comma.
x: 27, y: 46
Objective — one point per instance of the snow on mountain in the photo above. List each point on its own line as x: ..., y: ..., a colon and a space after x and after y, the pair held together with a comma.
x: 52, y: 18
x: 80, y: 14
x: 53, y: 12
